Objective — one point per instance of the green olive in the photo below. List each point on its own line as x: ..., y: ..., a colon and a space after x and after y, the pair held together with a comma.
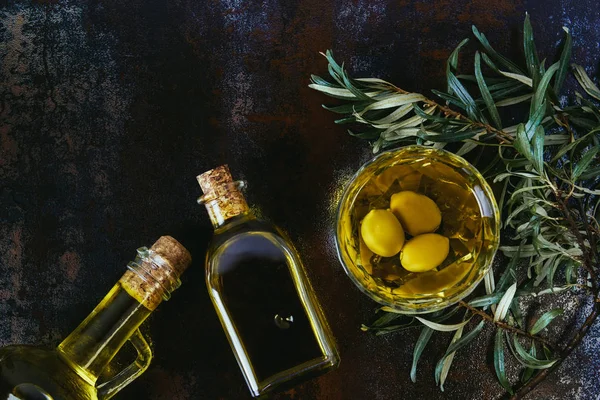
x: 382, y: 233
x: 424, y: 252
x: 416, y: 212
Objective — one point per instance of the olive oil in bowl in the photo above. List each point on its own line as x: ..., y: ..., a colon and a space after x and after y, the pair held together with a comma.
x: 469, y: 221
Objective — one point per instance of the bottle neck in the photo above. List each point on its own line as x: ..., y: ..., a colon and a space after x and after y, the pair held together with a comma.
x: 225, y: 204
x: 220, y: 217
x: 93, y: 344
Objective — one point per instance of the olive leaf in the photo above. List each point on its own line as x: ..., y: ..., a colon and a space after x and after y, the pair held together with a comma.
x: 585, y: 162
x: 545, y: 320
x: 528, y: 372
x: 564, y: 61
x: 426, y: 333
x: 505, y: 302
x: 442, y: 374
x: 499, y: 361
x: 442, y: 327
x: 585, y: 81
x: 526, y: 358
x: 485, y: 92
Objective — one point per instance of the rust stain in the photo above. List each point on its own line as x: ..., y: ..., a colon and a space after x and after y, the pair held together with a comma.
x: 71, y: 169
x: 436, y: 54
x: 177, y: 387
x: 328, y: 387
x: 291, y: 392
x: 70, y: 263
x: 15, y: 253
x: 484, y: 13
x: 102, y: 184
x: 11, y: 241
x: 487, y: 13
x: 8, y: 146
x: 18, y: 90
x: 308, y: 37
x: 50, y: 104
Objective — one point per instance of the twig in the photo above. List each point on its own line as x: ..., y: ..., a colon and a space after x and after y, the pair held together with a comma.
x: 506, y: 326
x: 501, y: 135
x: 587, y: 262
x: 563, y: 120
x: 564, y: 353
x: 588, y: 226
x: 589, y: 321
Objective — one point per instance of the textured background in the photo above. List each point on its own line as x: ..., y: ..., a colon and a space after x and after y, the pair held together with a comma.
x: 109, y: 109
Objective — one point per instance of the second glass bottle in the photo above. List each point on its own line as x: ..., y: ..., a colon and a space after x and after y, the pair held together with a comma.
x: 256, y: 281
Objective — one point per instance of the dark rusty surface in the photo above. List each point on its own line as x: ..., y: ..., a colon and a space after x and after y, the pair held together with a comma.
x: 108, y: 110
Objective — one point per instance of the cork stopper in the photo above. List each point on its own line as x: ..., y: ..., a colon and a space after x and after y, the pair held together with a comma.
x: 155, y: 273
x: 222, y: 196
x: 173, y: 253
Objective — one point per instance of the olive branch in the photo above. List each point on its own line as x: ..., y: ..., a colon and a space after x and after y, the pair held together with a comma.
x: 545, y: 166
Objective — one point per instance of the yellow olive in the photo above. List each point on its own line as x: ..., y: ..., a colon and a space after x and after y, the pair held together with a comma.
x: 382, y: 233
x: 424, y: 252
x: 417, y: 213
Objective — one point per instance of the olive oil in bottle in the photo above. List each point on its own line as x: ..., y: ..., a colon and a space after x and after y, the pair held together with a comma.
x: 272, y: 319
x: 71, y: 371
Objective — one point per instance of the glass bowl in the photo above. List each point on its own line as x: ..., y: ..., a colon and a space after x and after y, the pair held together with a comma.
x: 470, y: 220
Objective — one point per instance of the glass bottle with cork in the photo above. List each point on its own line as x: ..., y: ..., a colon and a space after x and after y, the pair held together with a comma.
x: 258, y: 286
x: 72, y: 370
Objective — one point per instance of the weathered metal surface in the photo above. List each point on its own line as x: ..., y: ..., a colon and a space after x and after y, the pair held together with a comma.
x: 109, y: 109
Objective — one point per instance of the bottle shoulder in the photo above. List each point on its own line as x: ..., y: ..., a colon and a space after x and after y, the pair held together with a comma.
x: 248, y: 226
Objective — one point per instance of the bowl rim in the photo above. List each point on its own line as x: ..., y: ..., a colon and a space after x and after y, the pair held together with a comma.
x: 433, y: 306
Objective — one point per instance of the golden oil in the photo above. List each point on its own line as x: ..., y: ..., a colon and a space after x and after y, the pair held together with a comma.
x: 470, y: 220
